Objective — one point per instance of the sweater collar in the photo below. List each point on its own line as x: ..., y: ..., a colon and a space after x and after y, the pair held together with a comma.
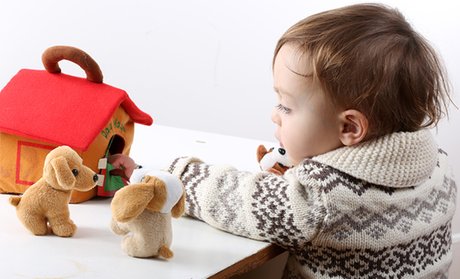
x: 400, y: 159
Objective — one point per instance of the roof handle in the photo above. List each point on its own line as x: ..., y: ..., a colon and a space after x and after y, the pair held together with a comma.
x: 52, y: 55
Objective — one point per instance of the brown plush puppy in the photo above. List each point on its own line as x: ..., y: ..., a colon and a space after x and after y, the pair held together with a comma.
x: 140, y: 215
x: 45, y: 203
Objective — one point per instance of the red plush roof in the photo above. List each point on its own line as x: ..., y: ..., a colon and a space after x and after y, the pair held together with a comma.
x: 61, y: 109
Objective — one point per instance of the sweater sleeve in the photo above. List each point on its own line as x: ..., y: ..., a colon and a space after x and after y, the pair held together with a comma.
x: 262, y: 206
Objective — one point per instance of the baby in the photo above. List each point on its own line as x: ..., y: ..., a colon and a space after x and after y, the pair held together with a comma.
x: 370, y: 194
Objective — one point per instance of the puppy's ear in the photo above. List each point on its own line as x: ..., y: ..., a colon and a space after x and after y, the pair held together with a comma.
x: 63, y: 173
x: 160, y: 193
x: 179, y: 208
x: 131, y: 200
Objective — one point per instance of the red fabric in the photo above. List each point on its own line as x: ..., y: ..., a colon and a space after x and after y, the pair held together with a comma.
x: 61, y: 109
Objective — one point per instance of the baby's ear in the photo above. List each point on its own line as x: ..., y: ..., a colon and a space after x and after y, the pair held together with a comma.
x: 353, y: 127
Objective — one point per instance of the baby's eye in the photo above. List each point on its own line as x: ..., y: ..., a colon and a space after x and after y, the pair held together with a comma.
x: 283, y: 109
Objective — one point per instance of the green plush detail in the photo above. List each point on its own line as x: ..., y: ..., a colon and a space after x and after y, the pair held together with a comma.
x: 112, y: 182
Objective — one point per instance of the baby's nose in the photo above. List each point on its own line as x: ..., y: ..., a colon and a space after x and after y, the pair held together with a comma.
x: 95, y: 178
x: 275, y: 117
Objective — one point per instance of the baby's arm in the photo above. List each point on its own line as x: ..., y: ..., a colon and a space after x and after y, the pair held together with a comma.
x: 262, y: 206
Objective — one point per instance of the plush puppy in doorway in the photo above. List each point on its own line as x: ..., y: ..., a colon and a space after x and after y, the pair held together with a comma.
x: 44, y: 205
x: 142, y: 213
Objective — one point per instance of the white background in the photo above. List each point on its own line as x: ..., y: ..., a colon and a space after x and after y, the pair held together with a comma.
x: 201, y: 64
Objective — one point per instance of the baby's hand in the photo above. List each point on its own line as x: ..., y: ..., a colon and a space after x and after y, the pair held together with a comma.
x: 124, y: 163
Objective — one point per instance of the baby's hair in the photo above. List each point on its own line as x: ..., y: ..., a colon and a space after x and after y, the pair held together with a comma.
x: 368, y: 57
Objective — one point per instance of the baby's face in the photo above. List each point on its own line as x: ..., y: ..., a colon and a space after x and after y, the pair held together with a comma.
x: 307, y: 124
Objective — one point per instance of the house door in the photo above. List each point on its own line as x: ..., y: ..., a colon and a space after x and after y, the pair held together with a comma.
x: 110, y: 183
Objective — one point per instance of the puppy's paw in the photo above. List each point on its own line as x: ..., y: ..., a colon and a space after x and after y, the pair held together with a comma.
x: 117, y: 229
x: 64, y: 230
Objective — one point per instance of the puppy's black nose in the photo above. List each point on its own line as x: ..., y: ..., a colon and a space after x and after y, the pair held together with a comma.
x: 95, y: 178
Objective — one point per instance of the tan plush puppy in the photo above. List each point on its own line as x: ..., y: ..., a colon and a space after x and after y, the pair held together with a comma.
x: 142, y: 212
x: 44, y: 205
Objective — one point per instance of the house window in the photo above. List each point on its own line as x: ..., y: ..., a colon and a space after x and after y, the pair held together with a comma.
x: 30, y: 157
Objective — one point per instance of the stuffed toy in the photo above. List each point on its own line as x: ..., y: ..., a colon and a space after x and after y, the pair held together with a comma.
x: 142, y: 213
x: 274, y: 160
x: 44, y: 206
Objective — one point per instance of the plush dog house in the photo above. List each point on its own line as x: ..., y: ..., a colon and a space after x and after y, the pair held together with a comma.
x: 41, y: 110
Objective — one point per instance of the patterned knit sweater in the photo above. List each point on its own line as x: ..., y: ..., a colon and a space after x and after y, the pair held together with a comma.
x: 380, y: 209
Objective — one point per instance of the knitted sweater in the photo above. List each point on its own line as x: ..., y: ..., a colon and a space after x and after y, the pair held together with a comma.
x: 380, y: 209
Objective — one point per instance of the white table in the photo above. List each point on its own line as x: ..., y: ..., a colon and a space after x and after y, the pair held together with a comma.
x: 200, y: 251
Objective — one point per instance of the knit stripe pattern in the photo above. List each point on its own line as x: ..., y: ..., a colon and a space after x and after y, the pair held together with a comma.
x: 337, y: 221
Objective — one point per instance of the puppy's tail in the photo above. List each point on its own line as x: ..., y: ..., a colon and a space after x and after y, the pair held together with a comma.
x: 165, y: 252
x: 14, y: 200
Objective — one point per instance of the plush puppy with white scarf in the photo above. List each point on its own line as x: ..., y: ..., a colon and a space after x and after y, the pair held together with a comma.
x: 142, y: 212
